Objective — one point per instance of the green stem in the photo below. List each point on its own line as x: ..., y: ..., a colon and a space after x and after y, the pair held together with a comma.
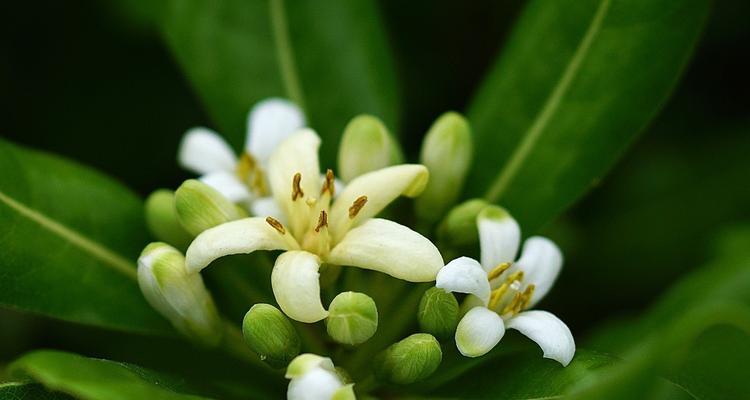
x: 285, y: 54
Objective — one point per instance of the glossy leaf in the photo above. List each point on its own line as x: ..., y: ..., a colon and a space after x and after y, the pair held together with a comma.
x: 330, y: 57
x: 96, y: 379
x: 576, y: 82
x: 70, y: 237
x: 28, y: 391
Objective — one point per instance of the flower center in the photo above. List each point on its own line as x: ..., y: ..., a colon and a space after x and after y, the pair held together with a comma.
x: 252, y: 174
x: 512, y: 296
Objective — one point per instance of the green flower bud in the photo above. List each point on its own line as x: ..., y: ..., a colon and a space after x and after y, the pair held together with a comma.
x: 352, y: 318
x: 179, y: 296
x: 410, y: 360
x: 162, y: 219
x: 366, y: 146
x: 438, y: 313
x: 201, y: 207
x: 446, y: 152
x: 459, y: 227
x: 269, y: 333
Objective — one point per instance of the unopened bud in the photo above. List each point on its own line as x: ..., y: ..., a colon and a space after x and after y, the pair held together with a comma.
x: 179, y: 296
x: 459, y: 227
x: 201, y: 207
x: 438, y: 313
x: 410, y: 360
x: 162, y: 219
x: 366, y: 146
x: 270, y: 334
x: 352, y: 318
x: 446, y: 152
x: 315, y: 377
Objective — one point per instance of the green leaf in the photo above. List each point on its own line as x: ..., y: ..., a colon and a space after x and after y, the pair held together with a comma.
x: 70, y: 238
x: 576, y: 82
x: 28, y: 391
x: 330, y: 57
x: 96, y: 379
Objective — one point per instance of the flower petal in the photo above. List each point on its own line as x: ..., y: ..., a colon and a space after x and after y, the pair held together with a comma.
x: 237, y: 237
x: 268, y: 124
x: 317, y: 384
x: 267, y: 207
x: 386, y: 246
x: 296, y: 285
x: 228, y: 185
x: 464, y: 275
x: 499, y: 236
x: 541, y: 261
x: 203, y: 150
x: 479, y: 331
x: 551, y: 334
x: 306, y: 362
x: 380, y: 187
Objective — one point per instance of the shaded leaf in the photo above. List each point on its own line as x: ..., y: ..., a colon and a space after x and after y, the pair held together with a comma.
x: 28, y: 391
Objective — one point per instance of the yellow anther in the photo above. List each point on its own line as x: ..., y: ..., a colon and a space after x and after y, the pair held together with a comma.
x: 515, y: 303
x: 296, y: 188
x: 329, y: 184
x: 497, y: 294
x: 498, y: 270
x: 527, y: 294
x: 357, y: 206
x: 251, y: 173
x: 276, y: 225
x: 245, y: 165
x: 516, y: 276
x: 322, y: 221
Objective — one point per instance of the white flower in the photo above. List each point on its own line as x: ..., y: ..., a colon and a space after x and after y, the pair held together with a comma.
x: 502, y: 290
x: 242, y: 179
x: 315, y: 378
x: 319, y: 230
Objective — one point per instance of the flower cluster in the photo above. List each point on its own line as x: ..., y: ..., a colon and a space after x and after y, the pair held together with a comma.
x: 276, y: 197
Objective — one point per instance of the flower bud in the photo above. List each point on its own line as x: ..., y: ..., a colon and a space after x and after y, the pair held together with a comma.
x: 438, y: 313
x: 201, y: 207
x: 366, y: 146
x: 162, y: 219
x: 352, y: 318
x: 459, y: 227
x: 315, y: 377
x: 179, y: 296
x: 446, y: 152
x: 410, y: 360
x: 270, y: 334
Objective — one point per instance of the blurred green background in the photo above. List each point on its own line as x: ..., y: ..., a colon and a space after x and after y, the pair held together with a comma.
x: 94, y: 82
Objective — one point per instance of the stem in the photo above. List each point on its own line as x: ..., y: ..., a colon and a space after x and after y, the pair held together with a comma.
x: 285, y: 54
x: 234, y: 345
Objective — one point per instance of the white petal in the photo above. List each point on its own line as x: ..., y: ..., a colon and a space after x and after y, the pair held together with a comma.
x: 381, y: 187
x: 267, y: 207
x: 296, y: 285
x: 541, y: 261
x: 478, y: 332
x: 551, y: 334
x: 464, y: 275
x: 386, y: 246
x: 306, y: 362
x: 499, y: 237
x: 228, y: 185
x: 203, y: 150
x: 317, y: 384
x: 237, y: 237
x: 268, y: 124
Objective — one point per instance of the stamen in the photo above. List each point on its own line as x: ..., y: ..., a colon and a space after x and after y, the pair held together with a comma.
x: 296, y: 188
x: 527, y: 294
x: 511, y: 307
x: 322, y: 221
x: 357, y: 206
x: 276, y: 225
x: 498, y: 270
x: 329, y: 185
x: 497, y: 294
x: 245, y: 166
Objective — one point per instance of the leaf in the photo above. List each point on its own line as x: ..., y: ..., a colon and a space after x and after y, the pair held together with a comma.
x: 70, y: 237
x: 28, y: 391
x: 330, y: 57
x: 574, y: 85
x: 96, y: 379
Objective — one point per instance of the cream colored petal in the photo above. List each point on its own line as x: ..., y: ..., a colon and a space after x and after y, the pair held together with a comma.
x: 267, y: 207
x: 268, y: 124
x: 388, y: 247
x: 295, y: 281
x: 499, y: 237
x: 203, y: 151
x: 380, y: 187
x: 305, y: 362
x: 551, y: 334
x: 228, y: 185
x: 541, y: 261
x: 317, y: 384
x: 237, y: 237
x: 464, y: 275
x: 478, y: 332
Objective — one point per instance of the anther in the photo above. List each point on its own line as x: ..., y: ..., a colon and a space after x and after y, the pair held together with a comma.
x: 357, y: 206
x: 276, y: 225
x: 527, y: 294
x: 322, y: 221
x: 513, y: 305
x: 498, y: 270
x: 329, y: 185
x: 296, y: 188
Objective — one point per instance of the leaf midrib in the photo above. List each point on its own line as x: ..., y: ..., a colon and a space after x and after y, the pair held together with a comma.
x: 532, y: 135
x: 107, y: 256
